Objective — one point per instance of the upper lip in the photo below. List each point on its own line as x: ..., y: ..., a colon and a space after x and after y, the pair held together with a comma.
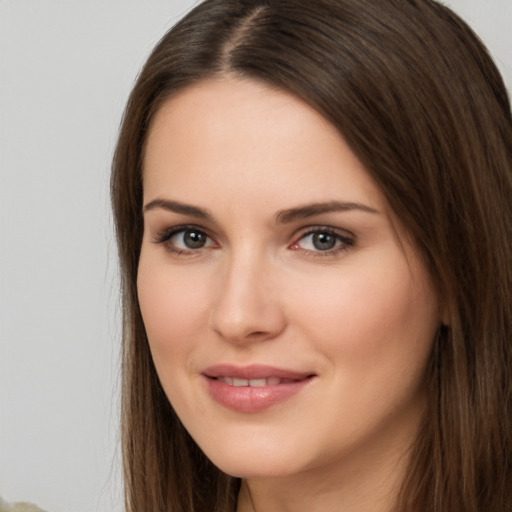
x: 254, y: 371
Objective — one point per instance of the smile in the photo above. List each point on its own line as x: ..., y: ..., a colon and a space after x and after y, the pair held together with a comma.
x: 253, y: 383
x: 255, y: 388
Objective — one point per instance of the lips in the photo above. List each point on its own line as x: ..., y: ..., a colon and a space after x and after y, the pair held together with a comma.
x: 253, y: 383
x: 253, y: 372
x: 253, y: 388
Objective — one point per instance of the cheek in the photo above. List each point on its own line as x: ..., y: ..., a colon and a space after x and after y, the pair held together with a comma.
x: 373, y: 320
x: 173, y: 310
x: 375, y: 330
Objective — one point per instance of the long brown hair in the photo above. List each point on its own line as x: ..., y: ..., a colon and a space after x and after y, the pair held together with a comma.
x: 415, y: 94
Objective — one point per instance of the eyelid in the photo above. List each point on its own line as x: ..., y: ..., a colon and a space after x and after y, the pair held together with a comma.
x: 346, y: 237
x: 316, y: 228
x: 163, y: 237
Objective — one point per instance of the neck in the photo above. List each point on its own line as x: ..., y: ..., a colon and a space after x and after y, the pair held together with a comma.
x: 375, y: 492
x: 361, y: 484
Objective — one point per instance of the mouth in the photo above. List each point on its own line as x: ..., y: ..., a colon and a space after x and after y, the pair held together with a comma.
x: 255, y: 375
x: 254, y: 388
x: 254, y: 383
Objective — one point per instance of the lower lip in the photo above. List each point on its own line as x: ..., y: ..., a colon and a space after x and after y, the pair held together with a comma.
x: 253, y: 399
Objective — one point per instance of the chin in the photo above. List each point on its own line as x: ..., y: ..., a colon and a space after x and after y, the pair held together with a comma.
x: 259, y: 458
x: 251, y: 469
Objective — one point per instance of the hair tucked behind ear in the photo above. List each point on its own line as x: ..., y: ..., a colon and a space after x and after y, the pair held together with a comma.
x: 415, y: 94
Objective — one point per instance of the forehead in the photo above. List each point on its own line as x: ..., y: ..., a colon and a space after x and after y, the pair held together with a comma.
x: 247, y: 138
x: 217, y: 112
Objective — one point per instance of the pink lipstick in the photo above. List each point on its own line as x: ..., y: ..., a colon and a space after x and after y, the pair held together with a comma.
x: 253, y: 388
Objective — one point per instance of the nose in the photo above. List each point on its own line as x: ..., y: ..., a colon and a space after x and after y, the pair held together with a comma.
x: 247, y: 306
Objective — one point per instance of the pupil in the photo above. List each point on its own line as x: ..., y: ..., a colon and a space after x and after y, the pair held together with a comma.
x: 194, y: 239
x: 324, y: 241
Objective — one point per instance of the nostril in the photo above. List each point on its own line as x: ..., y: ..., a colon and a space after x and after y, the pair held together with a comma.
x: 239, y: 315
x: 257, y: 334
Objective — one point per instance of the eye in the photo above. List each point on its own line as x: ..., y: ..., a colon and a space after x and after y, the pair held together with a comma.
x: 184, y: 239
x: 323, y: 240
x: 190, y: 239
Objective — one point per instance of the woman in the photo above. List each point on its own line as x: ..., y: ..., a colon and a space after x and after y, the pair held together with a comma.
x: 314, y: 221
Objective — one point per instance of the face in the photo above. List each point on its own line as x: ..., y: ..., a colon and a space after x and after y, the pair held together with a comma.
x: 289, y: 321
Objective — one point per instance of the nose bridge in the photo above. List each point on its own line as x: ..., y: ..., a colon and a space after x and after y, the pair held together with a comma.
x: 247, y: 305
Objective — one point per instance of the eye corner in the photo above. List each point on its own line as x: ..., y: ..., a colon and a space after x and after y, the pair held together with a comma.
x: 322, y: 241
x: 184, y: 240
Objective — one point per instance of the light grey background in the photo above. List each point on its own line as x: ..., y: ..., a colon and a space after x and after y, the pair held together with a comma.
x: 66, y: 68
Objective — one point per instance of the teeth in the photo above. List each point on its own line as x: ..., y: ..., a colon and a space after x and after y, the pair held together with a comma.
x: 254, y: 383
x: 258, y: 383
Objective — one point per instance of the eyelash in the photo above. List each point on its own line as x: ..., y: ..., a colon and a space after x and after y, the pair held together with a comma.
x: 343, y: 242
x: 163, y: 237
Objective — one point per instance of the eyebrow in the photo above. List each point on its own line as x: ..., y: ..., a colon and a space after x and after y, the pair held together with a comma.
x: 310, y: 210
x: 177, y: 207
x: 283, y: 217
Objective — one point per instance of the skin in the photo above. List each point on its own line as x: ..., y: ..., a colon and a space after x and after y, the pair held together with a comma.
x: 360, y: 316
